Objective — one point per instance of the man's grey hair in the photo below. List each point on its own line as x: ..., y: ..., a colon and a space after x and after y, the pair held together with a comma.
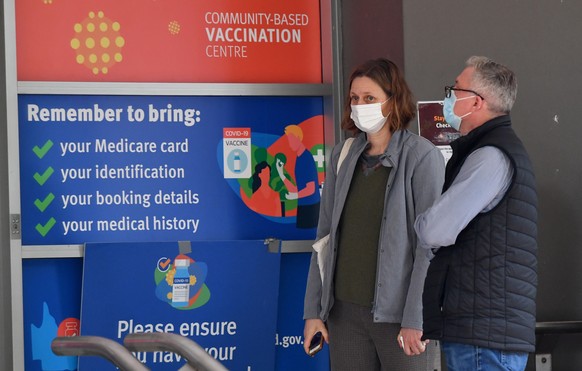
x: 495, y: 82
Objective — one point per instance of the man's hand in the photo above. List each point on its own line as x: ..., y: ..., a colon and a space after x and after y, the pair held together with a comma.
x: 410, y: 341
x: 292, y: 196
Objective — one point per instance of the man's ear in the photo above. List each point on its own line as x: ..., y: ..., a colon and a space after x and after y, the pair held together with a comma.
x: 479, y: 102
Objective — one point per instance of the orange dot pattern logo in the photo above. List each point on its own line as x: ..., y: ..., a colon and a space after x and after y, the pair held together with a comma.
x: 98, y: 43
x: 174, y: 27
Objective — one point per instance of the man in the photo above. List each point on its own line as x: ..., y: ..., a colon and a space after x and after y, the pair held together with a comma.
x: 306, y: 191
x: 480, y: 289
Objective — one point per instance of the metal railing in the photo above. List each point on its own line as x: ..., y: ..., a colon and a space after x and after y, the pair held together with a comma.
x: 97, y: 346
x: 120, y: 355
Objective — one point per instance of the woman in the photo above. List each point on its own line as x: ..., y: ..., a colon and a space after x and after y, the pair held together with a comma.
x: 369, y: 305
x: 264, y: 200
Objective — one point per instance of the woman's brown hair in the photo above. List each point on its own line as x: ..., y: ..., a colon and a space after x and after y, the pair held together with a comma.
x: 388, y: 76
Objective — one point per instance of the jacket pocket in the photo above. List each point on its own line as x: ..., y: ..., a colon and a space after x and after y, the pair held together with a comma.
x: 435, y: 293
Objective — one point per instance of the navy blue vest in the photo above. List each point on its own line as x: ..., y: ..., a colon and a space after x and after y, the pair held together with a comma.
x: 482, y: 290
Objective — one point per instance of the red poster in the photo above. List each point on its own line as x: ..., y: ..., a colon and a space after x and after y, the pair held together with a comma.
x: 432, y: 126
x: 218, y: 41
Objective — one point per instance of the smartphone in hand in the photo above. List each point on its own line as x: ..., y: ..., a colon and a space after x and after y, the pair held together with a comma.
x: 316, y: 343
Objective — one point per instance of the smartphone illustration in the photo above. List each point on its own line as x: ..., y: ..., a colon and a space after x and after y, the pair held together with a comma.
x: 316, y: 344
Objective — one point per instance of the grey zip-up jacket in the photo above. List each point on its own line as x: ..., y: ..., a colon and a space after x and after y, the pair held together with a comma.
x: 415, y: 181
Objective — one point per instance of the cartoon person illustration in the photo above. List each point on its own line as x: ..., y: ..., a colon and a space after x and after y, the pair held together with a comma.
x: 279, y: 186
x: 305, y: 191
x: 263, y: 200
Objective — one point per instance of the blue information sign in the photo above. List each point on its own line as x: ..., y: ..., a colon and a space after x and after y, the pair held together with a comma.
x: 143, y: 168
x: 228, y: 305
x: 290, y: 355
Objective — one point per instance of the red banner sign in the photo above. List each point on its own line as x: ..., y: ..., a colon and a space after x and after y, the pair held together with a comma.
x: 219, y: 41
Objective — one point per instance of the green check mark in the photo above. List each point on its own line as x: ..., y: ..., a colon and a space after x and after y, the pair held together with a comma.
x: 44, y: 229
x: 41, y: 179
x: 42, y: 205
x: 41, y: 151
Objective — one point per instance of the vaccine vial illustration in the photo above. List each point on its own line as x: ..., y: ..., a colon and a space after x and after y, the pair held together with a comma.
x: 181, y: 284
x: 72, y: 329
x: 236, y: 165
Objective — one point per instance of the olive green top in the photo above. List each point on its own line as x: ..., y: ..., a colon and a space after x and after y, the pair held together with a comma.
x: 359, y: 233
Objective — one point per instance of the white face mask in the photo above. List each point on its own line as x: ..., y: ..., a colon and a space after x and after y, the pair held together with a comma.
x: 368, y: 117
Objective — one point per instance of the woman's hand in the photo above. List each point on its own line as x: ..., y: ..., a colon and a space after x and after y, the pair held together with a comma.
x: 312, y: 326
x: 410, y: 341
x: 279, y: 166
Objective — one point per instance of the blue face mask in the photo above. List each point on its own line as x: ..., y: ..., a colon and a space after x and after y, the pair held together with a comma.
x: 449, y: 111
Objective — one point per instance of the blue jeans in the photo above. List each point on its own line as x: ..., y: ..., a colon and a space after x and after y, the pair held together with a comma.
x: 464, y: 357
